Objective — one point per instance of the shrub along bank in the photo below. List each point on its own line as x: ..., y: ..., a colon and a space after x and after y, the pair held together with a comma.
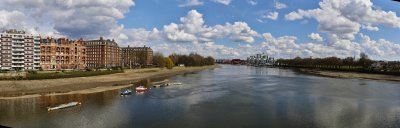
x: 57, y: 75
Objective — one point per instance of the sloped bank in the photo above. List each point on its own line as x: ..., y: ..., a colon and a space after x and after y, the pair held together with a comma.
x: 341, y: 74
x: 34, y: 88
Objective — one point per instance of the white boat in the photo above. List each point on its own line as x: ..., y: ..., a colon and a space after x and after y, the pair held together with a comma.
x: 71, y: 104
x: 141, y: 88
x: 126, y: 92
x: 175, y: 83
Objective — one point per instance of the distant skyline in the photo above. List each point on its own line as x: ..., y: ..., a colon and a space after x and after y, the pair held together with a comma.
x: 220, y: 28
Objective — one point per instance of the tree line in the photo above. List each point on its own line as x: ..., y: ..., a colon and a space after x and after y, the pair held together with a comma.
x: 334, y: 63
x: 193, y: 59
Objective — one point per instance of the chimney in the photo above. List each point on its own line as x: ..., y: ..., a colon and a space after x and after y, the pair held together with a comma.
x: 128, y: 46
x: 101, y: 38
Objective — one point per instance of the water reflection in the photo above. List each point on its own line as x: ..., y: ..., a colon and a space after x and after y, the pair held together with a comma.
x: 232, y: 96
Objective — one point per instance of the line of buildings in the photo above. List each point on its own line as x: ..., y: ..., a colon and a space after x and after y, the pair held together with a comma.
x: 260, y: 60
x: 22, y: 51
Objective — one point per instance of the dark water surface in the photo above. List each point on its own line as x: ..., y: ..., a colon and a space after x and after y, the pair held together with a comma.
x: 231, y: 96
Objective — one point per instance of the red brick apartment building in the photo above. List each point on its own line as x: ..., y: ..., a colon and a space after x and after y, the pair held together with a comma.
x: 137, y: 56
x: 57, y: 54
x: 103, y: 53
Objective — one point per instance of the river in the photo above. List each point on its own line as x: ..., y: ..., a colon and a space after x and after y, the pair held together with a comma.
x: 230, y: 96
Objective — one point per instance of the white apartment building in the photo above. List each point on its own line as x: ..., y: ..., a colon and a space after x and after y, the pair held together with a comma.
x: 19, y: 51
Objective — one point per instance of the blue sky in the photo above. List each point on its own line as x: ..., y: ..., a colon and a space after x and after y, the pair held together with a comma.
x: 220, y: 28
x: 150, y: 14
x: 157, y: 13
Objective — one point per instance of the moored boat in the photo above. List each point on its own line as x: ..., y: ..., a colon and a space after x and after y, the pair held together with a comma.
x: 126, y: 92
x: 141, y: 89
x: 71, y: 104
x: 175, y: 83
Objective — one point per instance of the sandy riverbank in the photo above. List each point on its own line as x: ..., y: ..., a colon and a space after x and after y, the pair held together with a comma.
x: 339, y: 74
x: 84, y: 85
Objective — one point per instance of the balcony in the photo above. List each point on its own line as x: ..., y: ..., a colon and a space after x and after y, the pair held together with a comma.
x: 17, y: 66
x: 17, y: 62
x: 18, y: 53
x: 17, y: 49
x: 6, y: 36
x: 17, y: 42
x: 17, y: 37
x: 17, y: 58
x: 17, y: 46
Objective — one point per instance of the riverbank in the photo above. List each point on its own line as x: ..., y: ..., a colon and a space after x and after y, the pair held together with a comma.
x: 340, y: 74
x: 84, y: 85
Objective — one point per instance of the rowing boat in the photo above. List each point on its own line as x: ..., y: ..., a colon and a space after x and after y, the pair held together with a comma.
x: 71, y: 104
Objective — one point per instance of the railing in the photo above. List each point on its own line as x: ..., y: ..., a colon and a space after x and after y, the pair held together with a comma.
x: 17, y: 41
x: 17, y: 57
x: 17, y: 66
x: 21, y: 54
x: 17, y: 61
x: 19, y: 46
x: 17, y: 49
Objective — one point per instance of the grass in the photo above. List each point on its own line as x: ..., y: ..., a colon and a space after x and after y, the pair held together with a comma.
x: 58, y: 75
x: 153, y: 70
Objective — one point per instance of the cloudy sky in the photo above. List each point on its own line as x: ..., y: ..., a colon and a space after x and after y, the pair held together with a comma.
x: 220, y: 28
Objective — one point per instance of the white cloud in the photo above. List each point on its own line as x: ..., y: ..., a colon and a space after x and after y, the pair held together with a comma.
x: 370, y: 27
x: 341, y: 21
x: 11, y: 19
x: 252, y: 2
x: 134, y: 37
x: 193, y: 29
x: 380, y: 47
x: 191, y: 3
x: 279, y: 5
x: 344, y: 18
x: 74, y: 18
x: 270, y: 15
x: 315, y: 36
x: 175, y: 34
x: 224, y: 2
x: 190, y: 35
x: 288, y: 47
x: 193, y: 22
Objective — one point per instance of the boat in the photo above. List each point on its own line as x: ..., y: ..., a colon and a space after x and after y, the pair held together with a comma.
x: 126, y: 92
x: 141, y: 89
x: 71, y: 104
x: 157, y: 86
x: 175, y: 83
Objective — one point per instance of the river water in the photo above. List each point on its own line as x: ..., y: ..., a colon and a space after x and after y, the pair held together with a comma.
x: 230, y: 96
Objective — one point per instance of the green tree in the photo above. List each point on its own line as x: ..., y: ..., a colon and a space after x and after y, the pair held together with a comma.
x: 168, y: 63
x: 364, y: 61
x: 158, y: 60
